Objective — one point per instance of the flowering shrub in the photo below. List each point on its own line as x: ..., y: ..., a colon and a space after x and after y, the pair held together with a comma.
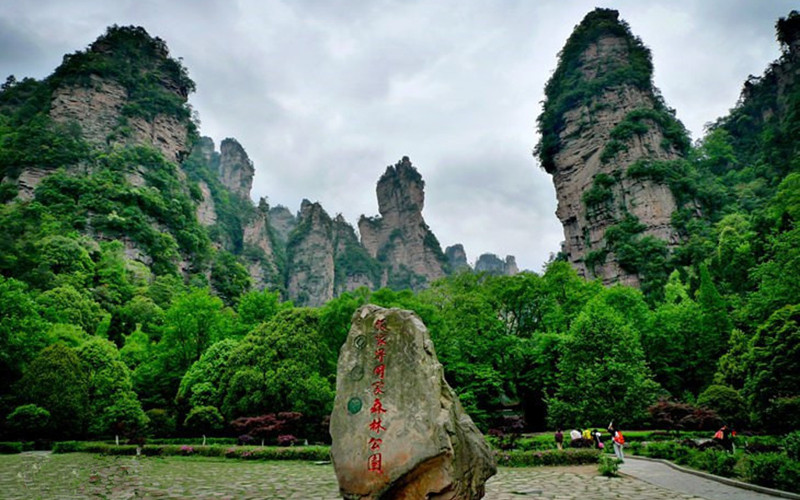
x: 286, y: 440
x: 186, y: 450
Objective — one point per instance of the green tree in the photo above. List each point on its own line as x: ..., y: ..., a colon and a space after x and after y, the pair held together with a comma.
x: 63, y: 261
x: 192, y: 323
x: 67, y: 305
x: 726, y: 402
x: 208, y: 372
x: 229, y: 278
x: 22, y: 330
x: 28, y: 422
x: 112, y: 404
x: 681, y: 340
x: 282, y: 365
x: 124, y: 417
x: 203, y: 420
x: 257, y: 307
x: 56, y: 381
x: 602, y: 373
x: 732, y: 366
x: 778, y: 277
x: 774, y: 363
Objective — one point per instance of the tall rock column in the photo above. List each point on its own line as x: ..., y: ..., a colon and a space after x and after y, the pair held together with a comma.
x: 609, y: 141
x: 399, y: 431
x: 310, y: 257
x: 235, y: 168
x: 400, y: 238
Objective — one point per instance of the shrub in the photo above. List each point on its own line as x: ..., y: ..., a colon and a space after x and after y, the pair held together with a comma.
x: 665, y: 450
x: 726, y: 402
x: 10, y: 448
x: 67, y: 446
x: 161, y: 423
x: 789, y: 476
x: 792, y: 445
x: 716, y: 462
x: 763, y: 469
x: 608, y: 466
x: 28, y: 420
x: 286, y: 440
x: 517, y: 458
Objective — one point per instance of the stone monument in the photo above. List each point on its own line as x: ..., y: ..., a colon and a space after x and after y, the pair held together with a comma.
x: 398, y: 430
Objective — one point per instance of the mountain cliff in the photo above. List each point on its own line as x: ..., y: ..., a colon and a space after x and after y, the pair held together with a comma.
x: 607, y: 138
x: 399, y: 237
x: 108, y: 148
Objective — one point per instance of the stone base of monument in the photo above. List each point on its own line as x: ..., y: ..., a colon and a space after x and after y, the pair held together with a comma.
x: 398, y: 429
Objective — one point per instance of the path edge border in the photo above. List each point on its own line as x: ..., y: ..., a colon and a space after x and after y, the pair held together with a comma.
x: 720, y: 479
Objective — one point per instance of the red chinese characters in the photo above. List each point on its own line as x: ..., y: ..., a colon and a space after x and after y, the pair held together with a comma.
x: 375, y: 460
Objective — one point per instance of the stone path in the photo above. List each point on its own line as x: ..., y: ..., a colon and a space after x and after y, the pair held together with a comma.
x: 79, y: 475
x: 663, y: 475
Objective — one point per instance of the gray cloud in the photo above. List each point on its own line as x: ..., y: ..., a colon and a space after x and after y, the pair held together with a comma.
x: 325, y: 94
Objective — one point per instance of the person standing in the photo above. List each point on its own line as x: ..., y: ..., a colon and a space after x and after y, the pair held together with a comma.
x: 559, y: 439
x: 618, y: 440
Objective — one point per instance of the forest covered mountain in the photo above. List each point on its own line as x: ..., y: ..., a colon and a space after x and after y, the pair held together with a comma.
x: 139, y: 283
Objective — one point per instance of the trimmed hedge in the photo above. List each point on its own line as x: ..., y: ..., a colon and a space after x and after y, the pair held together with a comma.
x: 11, y: 447
x: 516, y: 458
x: 317, y: 453
x: 773, y: 470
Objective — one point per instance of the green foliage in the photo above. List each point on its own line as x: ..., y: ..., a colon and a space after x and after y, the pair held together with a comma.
x: 680, y: 341
x: 774, y: 365
x: 635, y: 123
x: 259, y: 307
x: 602, y: 372
x: 313, y: 453
x: 56, y: 381
x: 41, y: 143
x: 160, y: 422
x: 203, y: 420
x: 113, y: 406
x: 772, y: 470
x: 192, y: 324
x: 727, y: 402
x: 10, y: 448
x: 22, y: 330
x: 208, y: 372
x: 229, y: 278
x: 608, y: 467
x: 283, y: 365
x: 28, y: 421
x: 637, y: 254
x: 791, y: 444
x: 600, y: 194
x: 516, y: 458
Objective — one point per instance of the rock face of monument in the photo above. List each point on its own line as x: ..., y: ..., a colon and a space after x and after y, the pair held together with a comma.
x: 399, y: 431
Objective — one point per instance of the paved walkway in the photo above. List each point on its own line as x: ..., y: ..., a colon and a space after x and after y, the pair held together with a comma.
x: 663, y: 475
x: 81, y: 475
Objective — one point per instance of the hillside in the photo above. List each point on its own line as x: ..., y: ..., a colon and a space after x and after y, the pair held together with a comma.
x: 107, y: 146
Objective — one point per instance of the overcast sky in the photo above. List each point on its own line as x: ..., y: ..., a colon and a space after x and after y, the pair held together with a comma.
x: 324, y: 95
